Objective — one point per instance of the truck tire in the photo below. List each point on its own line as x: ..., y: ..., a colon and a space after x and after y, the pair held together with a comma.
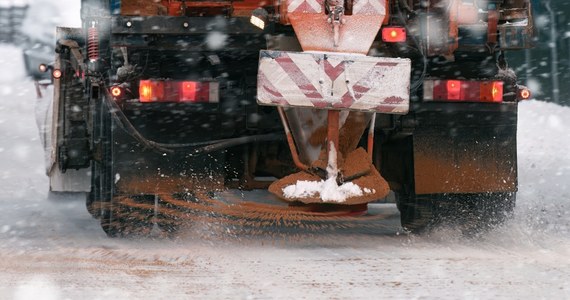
x: 120, y: 215
x: 471, y: 213
x: 416, y: 215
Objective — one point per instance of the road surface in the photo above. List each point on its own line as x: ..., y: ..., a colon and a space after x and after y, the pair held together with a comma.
x: 50, y: 248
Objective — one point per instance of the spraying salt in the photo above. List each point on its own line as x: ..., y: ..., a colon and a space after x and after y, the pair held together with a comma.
x: 328, y: 190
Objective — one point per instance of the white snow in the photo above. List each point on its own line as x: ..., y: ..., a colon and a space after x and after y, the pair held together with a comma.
x: 13, y: 3
x: 216, y: 40
x: 37, y: 288
x: 332, y: 164
x: 328, y: 190
x: 11, y: 69
x: 44, y: 15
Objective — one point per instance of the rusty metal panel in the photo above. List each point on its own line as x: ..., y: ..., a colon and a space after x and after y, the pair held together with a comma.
x: 360, y: 23
x: 465, y: 160
x: 518, y: 35
x: 334, y: 81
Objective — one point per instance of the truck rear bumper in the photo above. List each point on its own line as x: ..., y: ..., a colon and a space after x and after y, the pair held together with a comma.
x: 140, y: 170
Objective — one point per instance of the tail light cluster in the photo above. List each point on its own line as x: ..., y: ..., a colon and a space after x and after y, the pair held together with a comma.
x: 178, y: 91
x: 463, y: 90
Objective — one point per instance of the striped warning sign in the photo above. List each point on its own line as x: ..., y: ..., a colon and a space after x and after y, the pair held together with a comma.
x: 334, y: 81
x: 363, y: 7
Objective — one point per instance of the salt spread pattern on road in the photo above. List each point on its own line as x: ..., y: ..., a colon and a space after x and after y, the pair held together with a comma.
x: 51, y: 248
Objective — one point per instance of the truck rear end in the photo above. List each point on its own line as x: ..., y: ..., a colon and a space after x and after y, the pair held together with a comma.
x: 166, y: 100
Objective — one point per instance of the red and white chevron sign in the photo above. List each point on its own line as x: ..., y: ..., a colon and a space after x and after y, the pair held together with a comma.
x: 305, y: 6
x: 363, y: 7
x: 334, y: 81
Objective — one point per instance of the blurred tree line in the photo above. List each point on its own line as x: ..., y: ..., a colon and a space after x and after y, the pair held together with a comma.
x: 545, y: 69
x: 12, y: 14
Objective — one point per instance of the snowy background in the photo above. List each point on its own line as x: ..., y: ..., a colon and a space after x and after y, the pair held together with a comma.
x: 50, y: 248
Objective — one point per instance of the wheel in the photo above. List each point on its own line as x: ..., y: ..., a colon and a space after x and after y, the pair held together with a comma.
x: 92, y: 204
x: 101, y: 190
x: 416, y: 215
x: 471, y: 213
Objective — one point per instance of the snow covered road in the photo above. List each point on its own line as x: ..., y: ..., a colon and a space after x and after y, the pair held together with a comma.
x: 50, y: 248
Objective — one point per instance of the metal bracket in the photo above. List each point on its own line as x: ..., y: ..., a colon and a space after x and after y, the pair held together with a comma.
x: 336, y: 13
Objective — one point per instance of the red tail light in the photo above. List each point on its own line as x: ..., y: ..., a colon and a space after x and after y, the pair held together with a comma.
x: 453, y: 89
x: 463, y: 90
x: 393, y: 34
x: 178, y: 91
x: 189, y: 89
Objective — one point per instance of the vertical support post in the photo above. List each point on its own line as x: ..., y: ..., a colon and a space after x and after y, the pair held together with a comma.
x: 332, y: 142
x: 38, y: 89
x: 290, y: 141
x: 371, y: 136
x: 493, y: 21
x: 553, y: 53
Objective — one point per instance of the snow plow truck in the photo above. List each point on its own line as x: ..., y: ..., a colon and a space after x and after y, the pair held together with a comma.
x: 328, y: 104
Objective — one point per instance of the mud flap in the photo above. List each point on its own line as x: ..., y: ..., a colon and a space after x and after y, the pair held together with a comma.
x: 465, y: 159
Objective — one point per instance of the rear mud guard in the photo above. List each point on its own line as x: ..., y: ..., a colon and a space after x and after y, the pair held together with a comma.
x: 466, y: 158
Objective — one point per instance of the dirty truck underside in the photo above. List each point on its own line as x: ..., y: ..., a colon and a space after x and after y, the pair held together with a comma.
x: 328, y: 104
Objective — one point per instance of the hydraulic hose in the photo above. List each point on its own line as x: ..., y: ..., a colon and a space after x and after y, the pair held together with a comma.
x: 200, y: 147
